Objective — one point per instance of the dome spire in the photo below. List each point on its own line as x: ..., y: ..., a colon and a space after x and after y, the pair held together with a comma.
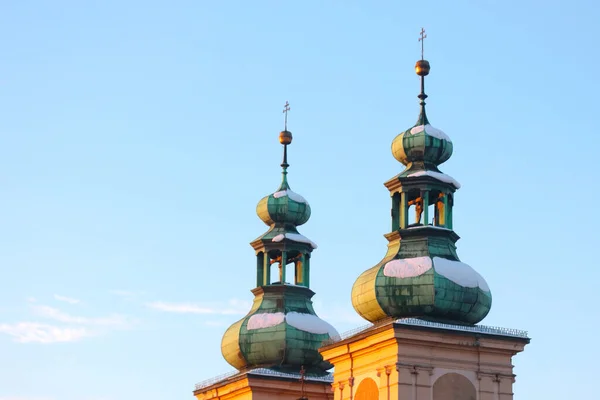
x: 282, y: 331
x: 285, y: 138
x: 422, y: 69
x: 422, y: 147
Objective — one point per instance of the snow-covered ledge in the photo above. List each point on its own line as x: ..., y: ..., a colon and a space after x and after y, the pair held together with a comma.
x: 294, y: 237
x: 437, y: 175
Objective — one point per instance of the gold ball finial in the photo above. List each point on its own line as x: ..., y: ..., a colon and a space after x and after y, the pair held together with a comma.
x: 285, y: 137
x: 422, y: 67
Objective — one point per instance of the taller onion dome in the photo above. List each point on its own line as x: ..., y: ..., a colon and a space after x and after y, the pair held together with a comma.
x: 282, y: 330
x: 421, y: 275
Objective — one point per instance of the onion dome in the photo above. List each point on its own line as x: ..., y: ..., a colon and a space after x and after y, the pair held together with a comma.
x: 426, y: 286
x: 281, y: 331
x: 283, y: 207
x: 422, y: 143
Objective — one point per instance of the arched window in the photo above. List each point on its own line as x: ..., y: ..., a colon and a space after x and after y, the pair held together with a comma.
x: 453, y: 386
x: 367, y: 390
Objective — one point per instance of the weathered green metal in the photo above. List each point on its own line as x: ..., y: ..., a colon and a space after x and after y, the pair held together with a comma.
x: 281, y: 208
x: 421, y: 275
x: 421, y: 147
x: 282, y: 346
x: 281, y: 331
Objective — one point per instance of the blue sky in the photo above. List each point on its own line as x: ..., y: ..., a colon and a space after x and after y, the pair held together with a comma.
x: 137, y: 137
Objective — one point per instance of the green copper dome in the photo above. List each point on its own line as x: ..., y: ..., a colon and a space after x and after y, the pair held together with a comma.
x: 425, y: 280
x: 281, y: 331
x: 422, y: 143
x: 283, y: 207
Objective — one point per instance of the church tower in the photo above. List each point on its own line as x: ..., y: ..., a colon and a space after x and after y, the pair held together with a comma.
x: 423, y: 301
x: 275, y: 347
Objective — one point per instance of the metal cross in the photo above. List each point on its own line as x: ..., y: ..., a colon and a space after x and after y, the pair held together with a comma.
x: 285, y: 111
x: 422, y: 40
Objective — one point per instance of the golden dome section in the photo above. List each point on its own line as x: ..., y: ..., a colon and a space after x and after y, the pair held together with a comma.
x: 398, y: 149
x: 230, y: 346
x: 364, y: 296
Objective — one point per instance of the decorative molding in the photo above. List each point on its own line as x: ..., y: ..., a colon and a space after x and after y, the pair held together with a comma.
x: 495, y: 376
x: 383, y: 370
x: 415, y: 368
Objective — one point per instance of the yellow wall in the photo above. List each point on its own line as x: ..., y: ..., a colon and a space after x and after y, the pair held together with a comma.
x: 405, y: 363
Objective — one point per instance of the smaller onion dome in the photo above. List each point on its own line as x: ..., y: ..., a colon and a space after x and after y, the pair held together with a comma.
x: 283, y: 207
x: 423, y: 143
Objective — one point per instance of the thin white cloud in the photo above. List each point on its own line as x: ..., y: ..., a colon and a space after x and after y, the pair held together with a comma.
x: 114, y: 320
x: 33, y: 332
x: 233, y: 307
x: 66, y: 299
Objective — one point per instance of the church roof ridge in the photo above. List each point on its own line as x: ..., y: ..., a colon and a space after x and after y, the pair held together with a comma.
x: 483, y: 329
x: 263, y: 372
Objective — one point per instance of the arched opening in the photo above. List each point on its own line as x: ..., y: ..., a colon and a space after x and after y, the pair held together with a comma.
x: 275, y: 273
x: 415, y: 208
x: 454, y: 386
x: 441, y: 206
x: 367, y: 390
x: 431, y: 214
x: 274, y: 267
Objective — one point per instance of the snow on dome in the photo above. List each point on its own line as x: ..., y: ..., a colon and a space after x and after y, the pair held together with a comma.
x: 292, y: 195
x: 407, y: 267
x: 310, y: 323
x: 437, y: 175
x: 265, y: 320
x: 295, y: 237
x: 431, y: 131
x: 460, y: 273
